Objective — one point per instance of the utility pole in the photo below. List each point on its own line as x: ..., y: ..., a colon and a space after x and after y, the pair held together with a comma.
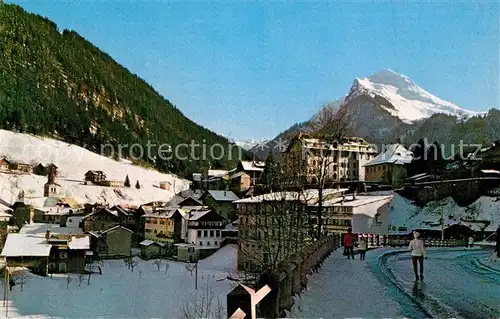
x: 196, y: 276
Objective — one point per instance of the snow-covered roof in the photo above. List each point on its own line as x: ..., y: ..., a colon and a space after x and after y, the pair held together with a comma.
x: 107, y: 210
x: 79, y: 242
x: 490, y: 171
x: 29, y: 245
x: 308, y: 195
x: 148, y: 242
x: 360, y: 200
x: 223, y: 196
x: 253, y: 166
x: 73, y: 221
x: 4, y: 214
x: 41, y: 228
x: 394, y: 154
x: 238, y: 174
x: 164, y: 213
x: 197, y: 214
x: 115, y: 228
x: 216, y: 172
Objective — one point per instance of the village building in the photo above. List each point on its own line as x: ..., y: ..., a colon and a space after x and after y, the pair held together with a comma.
x: 159, y: 226
x: 344, y: 160
x: 95, y: 177
x: 111, y: 183
x: 253, y: 169
x: 51, y: 188
x: 115, y: 242
x: 365, y: 214
x: 230, y: 230
x: 240, y: 182
x: 4, y: 164
x: 222, y: 202
x: 187, y: 252
x: 389, y: 166
x: 47, y: 248
x: 204, y: 231
x: 44, y: 170
x: 151, y: 249
x: 21, y: 167
x: 165, y: 185
x: 266, y: 232
x: 101, y: 219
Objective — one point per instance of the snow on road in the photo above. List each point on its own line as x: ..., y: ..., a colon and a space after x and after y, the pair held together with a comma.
x: 121, y: 293
x: 454, y: 284
x: 350, y: 288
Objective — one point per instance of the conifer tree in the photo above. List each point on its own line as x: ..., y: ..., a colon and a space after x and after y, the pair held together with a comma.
x: 137, y: 185
x: 127, y: 182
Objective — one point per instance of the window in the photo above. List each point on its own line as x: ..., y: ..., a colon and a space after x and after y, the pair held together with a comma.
x: 199, y: 233
x: 205, y: 233
x: 211, y: 233
x: 217, y: 233
x: 201, y: 243
x: 216, y: 243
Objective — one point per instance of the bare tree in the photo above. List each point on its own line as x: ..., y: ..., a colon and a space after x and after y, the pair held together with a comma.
x: 133, y: 263
x: 204, y: 303
x: 90, y: 269
x: 158, y: 262
x: 22, y: 279
x: 167, y: 266
x: 68, y: 280
x: 80, y: 277
x: 274, y: 225
x: 330, y: 128
x: 127, y: 261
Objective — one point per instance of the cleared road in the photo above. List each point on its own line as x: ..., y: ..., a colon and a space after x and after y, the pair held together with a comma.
x: 455, y: 283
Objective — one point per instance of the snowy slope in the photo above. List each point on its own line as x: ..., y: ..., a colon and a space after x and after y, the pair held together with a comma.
x: 403, y: 213
x: 73, y: 162
x: 408, y: 101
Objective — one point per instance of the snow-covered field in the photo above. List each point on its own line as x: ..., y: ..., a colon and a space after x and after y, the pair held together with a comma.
x: 121, y: 293
x: 73, y: 162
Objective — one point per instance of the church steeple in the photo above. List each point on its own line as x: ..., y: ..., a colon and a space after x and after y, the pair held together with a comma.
x: 51, y: 188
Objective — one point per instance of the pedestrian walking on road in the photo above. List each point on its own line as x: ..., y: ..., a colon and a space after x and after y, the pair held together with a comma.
x: 471, y: 241
x: 363, y: 247
x: 349, y: 243
x: 418, y: 253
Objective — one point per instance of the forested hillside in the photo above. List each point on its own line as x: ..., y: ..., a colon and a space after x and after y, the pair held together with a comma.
x: 55, y: 83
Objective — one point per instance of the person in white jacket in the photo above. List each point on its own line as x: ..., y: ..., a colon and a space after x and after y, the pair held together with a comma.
x: 418, y: 253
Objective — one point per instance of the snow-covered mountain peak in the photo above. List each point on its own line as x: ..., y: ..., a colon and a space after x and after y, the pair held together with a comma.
x: 409, y: 102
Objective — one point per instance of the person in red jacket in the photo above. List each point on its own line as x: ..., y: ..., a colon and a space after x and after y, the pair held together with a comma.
x: 349, y: 243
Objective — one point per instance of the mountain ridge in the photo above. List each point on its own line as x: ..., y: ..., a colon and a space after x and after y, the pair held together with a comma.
x: 58, y: 84
x: 387, y: 107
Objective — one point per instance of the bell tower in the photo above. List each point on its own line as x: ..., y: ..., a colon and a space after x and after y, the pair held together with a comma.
x: 51, y: 188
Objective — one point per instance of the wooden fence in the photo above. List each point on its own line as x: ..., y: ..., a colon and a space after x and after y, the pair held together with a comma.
x: 275, y: 289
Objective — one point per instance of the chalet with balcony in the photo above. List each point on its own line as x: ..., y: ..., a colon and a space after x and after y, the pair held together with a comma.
x: 95, y: 177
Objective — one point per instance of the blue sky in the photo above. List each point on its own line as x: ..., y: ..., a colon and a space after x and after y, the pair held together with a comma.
x: 250, y: 70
